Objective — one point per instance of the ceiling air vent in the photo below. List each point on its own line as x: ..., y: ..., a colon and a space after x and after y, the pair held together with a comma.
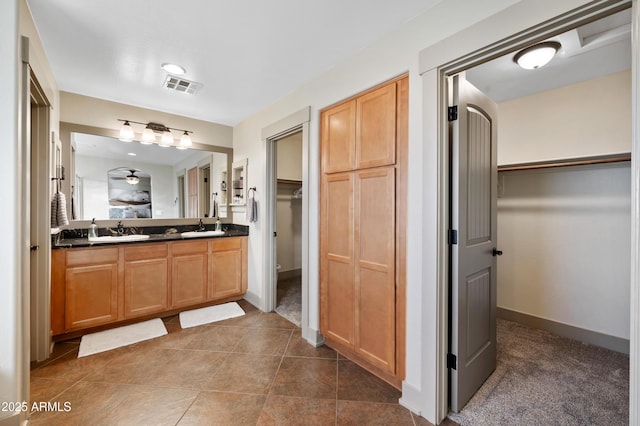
x: 181, y: 85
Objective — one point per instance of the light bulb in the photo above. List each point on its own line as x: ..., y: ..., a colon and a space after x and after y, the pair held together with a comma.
x: 148, y: 137
x: 185, y: 140
x: 126, y: 132
x: 167, y: 139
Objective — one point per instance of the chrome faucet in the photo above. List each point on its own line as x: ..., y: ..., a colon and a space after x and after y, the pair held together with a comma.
x: 120, y: 228
x: 201, y: 226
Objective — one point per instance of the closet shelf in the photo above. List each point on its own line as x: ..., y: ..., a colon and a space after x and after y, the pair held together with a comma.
x: 290, y: 181
x: 579, y: 161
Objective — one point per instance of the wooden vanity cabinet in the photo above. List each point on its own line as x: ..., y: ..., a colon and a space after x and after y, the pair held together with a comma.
x: 227, y: 267
x: 98, y: 286
x: 91, y: 288
x: 146, y: 279
x: 189, y: 272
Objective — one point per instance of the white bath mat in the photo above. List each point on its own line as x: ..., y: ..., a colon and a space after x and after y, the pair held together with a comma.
x: 210, y: 314
x: 121, y: 336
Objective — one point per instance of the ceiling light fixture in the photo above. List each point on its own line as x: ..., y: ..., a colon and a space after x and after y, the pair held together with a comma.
x: 538, y: 55
x: 185, y: 141
x: 148, y: 137
x: 173, y: 68
x: 167, y: 139
x: 132, y: 179
x: 149, y: 134
x: 126, y: 132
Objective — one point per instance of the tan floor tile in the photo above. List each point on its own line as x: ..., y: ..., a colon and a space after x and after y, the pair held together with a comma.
x: 217, y: 408
x: 118, y: 404
x: 215, y: 338
x: 421, y: 421
x: 301, y: 348
x: 371, y: 414
x: 135, y: 367
x: 281, y: 410
x: 357, y: 384
x: 306, y: 377
x: 245, y: 373
x: 42, y: 390
x: 70, y: 367
x: 267, y: 341
x: 189, y: 369
x: 273, y: 320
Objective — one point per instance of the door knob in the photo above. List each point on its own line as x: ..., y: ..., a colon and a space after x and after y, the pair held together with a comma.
x: 34, y: 248
x: 496, y: 252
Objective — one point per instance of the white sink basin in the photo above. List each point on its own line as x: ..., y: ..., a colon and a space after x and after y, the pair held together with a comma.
x: 118, y: 239
x: 195, y: 234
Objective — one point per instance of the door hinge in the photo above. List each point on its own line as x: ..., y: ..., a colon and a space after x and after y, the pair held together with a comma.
x: 453, y: 236
x: 452, y: 113
x: 275, y: 234
x: 452, y: 361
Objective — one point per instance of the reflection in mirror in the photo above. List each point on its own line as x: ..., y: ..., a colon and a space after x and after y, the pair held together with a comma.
x: 180, y: 183
x: 129, y: 194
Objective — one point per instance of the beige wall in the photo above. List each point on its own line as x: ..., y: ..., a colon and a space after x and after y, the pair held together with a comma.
x: 95, y: 112
x: 584, y: 119
x: 289, y: 160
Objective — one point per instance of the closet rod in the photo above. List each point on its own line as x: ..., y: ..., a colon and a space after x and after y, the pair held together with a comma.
x: 580, y: 161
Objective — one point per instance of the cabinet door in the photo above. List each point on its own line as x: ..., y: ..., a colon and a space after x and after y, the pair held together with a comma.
x: 91, y: 295
x: 225, y: 268
x: 188, y: 273
x: 375, y: 267
x: 338, y: 137
x: 376, y: 128
x: 337, y: 258
x: 146, y: 280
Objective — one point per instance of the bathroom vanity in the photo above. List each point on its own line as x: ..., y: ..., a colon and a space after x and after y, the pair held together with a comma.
x: 100, y: 285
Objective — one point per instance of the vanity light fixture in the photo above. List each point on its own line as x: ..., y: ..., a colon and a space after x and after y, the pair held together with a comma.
x: 538, y: 55
x: 167, y: 139
x: 126, y: 132
x: 173, y: 68
x: 185, y: 141
x: 148, y: 137
x: 149, y: 134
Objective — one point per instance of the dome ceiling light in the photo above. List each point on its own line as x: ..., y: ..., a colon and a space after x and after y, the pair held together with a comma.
x: 173, y: 69
x: 536, y: 56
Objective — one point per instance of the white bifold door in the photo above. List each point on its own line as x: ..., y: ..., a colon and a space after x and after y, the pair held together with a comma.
x: 472, y: 239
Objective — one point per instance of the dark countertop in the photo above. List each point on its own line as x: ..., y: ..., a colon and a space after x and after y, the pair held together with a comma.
x: 69, y: 238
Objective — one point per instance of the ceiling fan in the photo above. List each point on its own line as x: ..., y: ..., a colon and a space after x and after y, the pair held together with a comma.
x: 131, y: 178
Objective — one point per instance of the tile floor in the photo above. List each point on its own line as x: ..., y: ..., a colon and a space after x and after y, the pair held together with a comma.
x: 249, y: 370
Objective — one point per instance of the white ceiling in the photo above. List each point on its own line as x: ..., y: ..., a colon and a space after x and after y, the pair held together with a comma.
x: 247, y: 54
x: 597, y: 49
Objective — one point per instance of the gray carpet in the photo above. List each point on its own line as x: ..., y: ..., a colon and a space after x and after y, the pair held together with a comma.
x: 289, y: 299
x: 543, y: 379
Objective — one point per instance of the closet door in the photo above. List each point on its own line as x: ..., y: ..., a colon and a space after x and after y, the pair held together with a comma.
x: 338, y: 138
x: 337, y: 258
x: 376, y: 128
x: 375, y: 266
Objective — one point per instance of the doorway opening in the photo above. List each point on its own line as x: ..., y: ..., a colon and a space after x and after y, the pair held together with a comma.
x: 573, y: 204
x: 288, y: 220
x: 205, y: 190
x: 179, y: 201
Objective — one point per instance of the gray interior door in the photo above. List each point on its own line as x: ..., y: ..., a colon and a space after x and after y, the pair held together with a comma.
x: 473, y: 240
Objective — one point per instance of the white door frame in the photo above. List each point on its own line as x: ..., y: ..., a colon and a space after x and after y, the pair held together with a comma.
x: 298, y: 121
x: 513, y: 28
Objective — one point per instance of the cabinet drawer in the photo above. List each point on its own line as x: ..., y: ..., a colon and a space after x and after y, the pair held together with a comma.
x: 225, y: 244
x: 188, y: 247
x: 92, y: 256
x: 146, y: 251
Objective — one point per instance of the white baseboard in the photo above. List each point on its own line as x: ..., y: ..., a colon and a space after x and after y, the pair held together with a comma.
x: 314, y: 337
x: 254, y: 300
x: 614, y: 343
x: 410, y: 398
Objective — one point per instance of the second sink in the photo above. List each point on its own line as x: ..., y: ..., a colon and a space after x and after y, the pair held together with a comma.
x: 195, y: 234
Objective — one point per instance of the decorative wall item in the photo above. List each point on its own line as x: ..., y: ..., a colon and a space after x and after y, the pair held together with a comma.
x: 129, y: 198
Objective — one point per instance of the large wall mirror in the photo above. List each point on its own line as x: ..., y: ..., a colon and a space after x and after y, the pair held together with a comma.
x: 111, y: 179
